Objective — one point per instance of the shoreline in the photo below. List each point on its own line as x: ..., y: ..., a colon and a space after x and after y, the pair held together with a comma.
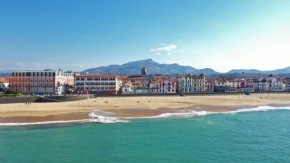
x: 129, y: 113
x: 134, y: 107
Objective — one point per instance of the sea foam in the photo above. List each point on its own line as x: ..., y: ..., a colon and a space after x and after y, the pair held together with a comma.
x: 176, y: 115
x: 106, y: 119
x: 260, y: 108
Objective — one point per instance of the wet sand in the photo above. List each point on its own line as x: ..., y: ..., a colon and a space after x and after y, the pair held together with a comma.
x: 61, y: 117
x: 135, y: 106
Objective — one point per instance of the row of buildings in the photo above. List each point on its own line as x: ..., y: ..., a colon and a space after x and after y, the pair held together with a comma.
x: 59, y: 82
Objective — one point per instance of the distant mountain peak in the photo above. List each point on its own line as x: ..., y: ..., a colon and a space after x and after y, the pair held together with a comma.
x: 149, y: 59
x: 134, y: 67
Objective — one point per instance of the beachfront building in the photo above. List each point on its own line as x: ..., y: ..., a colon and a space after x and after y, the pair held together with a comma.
x: 166, y: 86
x: 97, y: 84
x: 191, y: 83
x: 4, y: 83
x: 287, y: 84
x: 127, y: 88
x: 233, y: 85
x: 248, y: 86
x: 141, y: 87
x: 261, y: 85
x: 275, y: 83
x: 220, y: 85
x: 227, y: 85
x: 209, y: 86
x: 41, y: 82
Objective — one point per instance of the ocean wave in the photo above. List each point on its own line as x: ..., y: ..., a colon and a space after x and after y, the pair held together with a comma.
x: 175, y: 115
x: 106, y: 119
x: 260, y: 108
x: 203, y: 113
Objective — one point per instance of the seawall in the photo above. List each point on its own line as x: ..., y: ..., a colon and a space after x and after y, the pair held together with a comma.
x: 25, y: 99
x: 186, y: 94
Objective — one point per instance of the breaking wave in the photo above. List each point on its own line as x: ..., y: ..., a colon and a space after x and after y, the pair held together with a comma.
x: 176, y: 115
x: 260, y: 108
x: 106, y: 119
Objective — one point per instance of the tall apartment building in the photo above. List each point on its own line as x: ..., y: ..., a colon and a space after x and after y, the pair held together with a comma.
x: 191, y: 83
x: 41, y: 82
x: 97, y: 84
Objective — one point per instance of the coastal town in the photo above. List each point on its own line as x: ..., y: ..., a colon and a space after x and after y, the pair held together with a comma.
x: 59, y: 82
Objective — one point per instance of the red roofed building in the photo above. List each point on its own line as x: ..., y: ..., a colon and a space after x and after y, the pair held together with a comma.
x: 96, y: 84
x: 127, y: 87
x: 166, y: 86
x: 248, y: 86
x: 4, y: 83
x: 209, y: 86
x: 227, y: 85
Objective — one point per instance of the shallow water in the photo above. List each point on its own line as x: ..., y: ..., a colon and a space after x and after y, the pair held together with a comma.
x: 256, y: 136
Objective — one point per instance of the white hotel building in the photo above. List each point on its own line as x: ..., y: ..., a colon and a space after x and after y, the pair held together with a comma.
x: 191, y: 83
x: 97, y: 84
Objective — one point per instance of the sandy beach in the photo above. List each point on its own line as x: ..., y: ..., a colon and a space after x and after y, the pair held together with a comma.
x: 135, y: 106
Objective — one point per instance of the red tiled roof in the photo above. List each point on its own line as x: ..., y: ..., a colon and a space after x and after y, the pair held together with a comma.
x: 220, y: 80
x: 123, y: 77
x: 157, y: 81
x: 136, y: 83
x: 4, y: 80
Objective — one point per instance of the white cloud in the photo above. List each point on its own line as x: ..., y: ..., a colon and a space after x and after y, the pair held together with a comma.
x: 168, y: 53
x: 18, y: 63
x: 158, y: 54
x: 165, y: 48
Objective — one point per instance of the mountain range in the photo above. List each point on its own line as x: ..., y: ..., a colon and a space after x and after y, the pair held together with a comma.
x: 168, y: 69
x: 251, y: 71
x: 151, y: 66
x: 134, y: 68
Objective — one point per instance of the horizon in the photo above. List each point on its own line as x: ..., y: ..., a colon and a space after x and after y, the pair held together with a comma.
x: 221, y: 35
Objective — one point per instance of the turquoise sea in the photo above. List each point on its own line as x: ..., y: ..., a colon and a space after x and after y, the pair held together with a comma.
x: 245, y: 137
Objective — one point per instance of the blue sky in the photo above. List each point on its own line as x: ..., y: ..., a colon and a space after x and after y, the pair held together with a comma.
x: 75, y: 35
